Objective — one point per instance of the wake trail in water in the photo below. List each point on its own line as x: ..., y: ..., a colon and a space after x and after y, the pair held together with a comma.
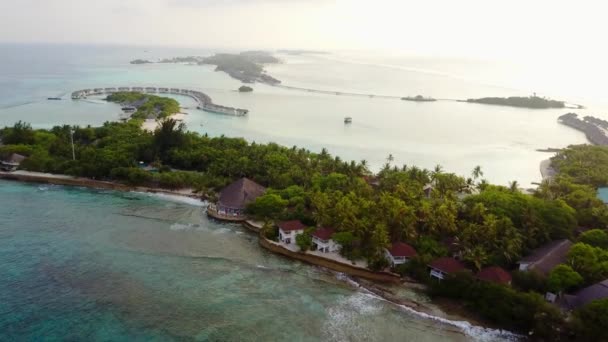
x: 19, y: 104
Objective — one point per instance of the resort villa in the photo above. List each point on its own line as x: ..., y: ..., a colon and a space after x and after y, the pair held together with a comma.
x: 442, y: 267
x: 495, y: 274
x: 587, y: 295
x: 545, y: 258
x: 399, y: 253
x: 12, y: 163
x: 322, y: 241
x: 288, y: 230
x: 234, y: 198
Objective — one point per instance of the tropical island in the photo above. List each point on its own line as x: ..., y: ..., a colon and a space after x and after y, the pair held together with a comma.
x: 482, y: 246
x: 247, y: 66
x: 298, y: 52
x: 141, y: 61
x: 534, y: 102
x: 245, y: 89
x: 146, y: 106
x: 418, y: 98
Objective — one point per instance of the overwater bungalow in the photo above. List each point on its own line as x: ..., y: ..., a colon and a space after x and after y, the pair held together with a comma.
x: 150, y: 90
x: 124, y: 89
x: 234, y: 198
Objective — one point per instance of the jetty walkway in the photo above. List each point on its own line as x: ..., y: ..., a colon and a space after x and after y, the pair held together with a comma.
x: 203, y: 100
x: 345, y: 93
x: 595, y: 129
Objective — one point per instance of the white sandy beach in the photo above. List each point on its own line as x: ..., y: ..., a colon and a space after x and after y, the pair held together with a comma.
x: 152, y: 124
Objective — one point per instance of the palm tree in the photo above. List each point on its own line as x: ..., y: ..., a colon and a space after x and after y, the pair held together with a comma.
x: 514, y: 186
x: 390, y: 158
x: 477, y: 172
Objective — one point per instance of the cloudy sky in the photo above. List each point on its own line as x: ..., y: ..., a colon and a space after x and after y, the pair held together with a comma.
x: 514, y: 28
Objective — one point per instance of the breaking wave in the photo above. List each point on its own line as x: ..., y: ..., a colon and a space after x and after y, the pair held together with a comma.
x: 477, y: 333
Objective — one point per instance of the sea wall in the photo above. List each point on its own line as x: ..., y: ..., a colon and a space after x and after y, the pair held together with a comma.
x: 385, y: 277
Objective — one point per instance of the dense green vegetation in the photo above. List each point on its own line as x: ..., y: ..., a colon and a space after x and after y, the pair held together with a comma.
x: 487, y: 224
x: 246, y: 66
x: 515, y: 101
x: 245, y: 89
x: 148, y: 106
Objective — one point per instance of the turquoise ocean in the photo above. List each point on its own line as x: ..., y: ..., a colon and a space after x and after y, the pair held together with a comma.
x: 90, y: 265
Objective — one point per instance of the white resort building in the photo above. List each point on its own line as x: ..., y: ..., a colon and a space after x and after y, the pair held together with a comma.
x: 399, y: 253
x: 322, y: 241
x: 288, y: 230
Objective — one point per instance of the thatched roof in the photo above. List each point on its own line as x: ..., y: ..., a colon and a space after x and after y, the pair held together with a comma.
x: 240, y: 193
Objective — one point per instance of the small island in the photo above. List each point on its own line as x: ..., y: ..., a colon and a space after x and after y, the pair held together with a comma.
x: 145, y: 106
x: 247, y: 66
x: 245, y: 89
x: 534, y: 102
x: 141, y: 61
x: 419, y: 98
x: 298, y: 52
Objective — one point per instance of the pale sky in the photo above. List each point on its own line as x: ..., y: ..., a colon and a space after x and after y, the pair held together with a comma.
x: 468, y: 28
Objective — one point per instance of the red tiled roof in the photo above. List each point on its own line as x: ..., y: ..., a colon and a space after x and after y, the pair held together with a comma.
x: 494, y: 274
x: 323, y: 233
x: 400, y: 249
x: 288, y: 226
x: 447, y: 265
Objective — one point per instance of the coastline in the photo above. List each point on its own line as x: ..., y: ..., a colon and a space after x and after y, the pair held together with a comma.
x: 450, y: 313
x: 48, y: 178
x: 152, y: 124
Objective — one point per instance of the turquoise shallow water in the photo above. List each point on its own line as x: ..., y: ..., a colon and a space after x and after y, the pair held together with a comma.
x: 78, y: 264
x: 459, y: 136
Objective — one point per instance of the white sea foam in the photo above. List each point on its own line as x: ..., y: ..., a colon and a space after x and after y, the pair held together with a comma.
x: 175, y: 198
x: 178, y: 227
x: 221, y: 231
x: 476, y: 332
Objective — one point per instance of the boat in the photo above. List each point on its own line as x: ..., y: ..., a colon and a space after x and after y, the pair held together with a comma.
x: 348, y: 120
x: 54, y: 98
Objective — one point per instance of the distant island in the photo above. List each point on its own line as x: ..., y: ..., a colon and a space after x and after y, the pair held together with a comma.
x: 247, y: 66
x: 302, y: 52
x: 141, y: 61
x: 534, y: 102
x: 418, y: 98
x: 245, y: 89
